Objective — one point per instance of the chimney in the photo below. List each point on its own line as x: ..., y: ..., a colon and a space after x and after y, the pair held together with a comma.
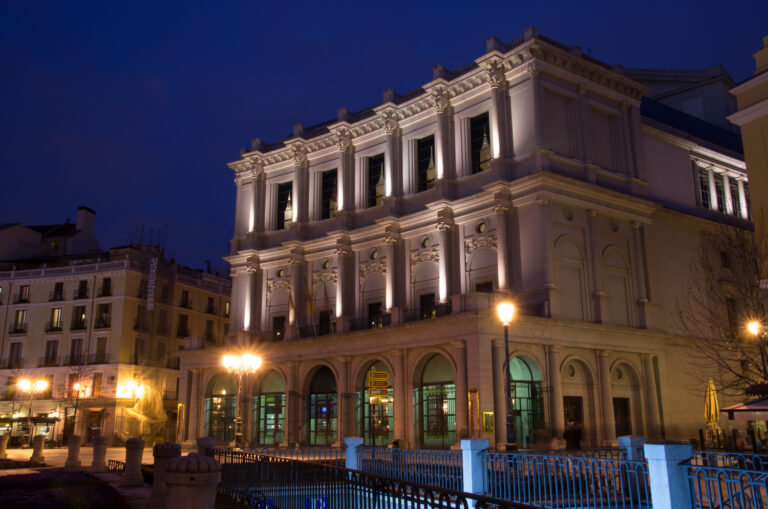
x: 86, y: 218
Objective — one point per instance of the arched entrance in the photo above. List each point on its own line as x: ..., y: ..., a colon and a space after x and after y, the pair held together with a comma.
x: 322, y: 408
x: 220, y: 409
x: 375, y: 405
x: 527, y: 398
x: 269, y: 410
x: 435, y: 404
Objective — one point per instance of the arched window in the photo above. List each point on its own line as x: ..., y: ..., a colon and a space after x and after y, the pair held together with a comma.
x: 269, y: 410
x: 527, y: 399
x: 375, y: 405
x: 220, y: 409
x: 322, y: 408
x: 435, y: 401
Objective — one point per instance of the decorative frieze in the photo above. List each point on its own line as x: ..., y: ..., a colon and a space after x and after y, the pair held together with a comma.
x: 278, y: 284
x: 488, y: 240
x: 327, y: 276
x: 425, y: 255
x: 372, y: 267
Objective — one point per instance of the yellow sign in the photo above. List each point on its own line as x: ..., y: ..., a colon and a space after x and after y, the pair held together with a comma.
x: 378, y: 383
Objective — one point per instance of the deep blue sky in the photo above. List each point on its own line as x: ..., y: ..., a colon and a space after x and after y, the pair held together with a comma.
x: 133, y: 108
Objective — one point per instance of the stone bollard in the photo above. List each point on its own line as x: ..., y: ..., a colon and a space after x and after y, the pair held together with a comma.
x: 134, y: 450
x: 3, y: 445
x: 162, y: 453
x: 632, y: 447
x: 73, y: 458
x: 37, y: 450
x: 99, y: 463
x: 191, y: 482
x: 205, y: 443
x: 352, y: 459
x: 670, y: 488
x: 473, y: 466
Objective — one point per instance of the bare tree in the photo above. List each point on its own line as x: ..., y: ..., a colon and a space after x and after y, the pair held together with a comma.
x: 727, y: 291
x: 78, y: 377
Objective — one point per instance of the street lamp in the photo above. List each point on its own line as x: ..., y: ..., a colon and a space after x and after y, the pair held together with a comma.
x: 240, y: 366
x: 756, y: 329
x: 506, y: 312
x: 36, y: 387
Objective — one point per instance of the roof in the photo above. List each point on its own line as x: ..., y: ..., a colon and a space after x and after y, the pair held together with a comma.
x: 55, y: 230
x: 753, y: 410
x: 691, y: 125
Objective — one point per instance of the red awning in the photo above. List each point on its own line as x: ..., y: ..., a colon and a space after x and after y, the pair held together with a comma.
x: 754, y: 410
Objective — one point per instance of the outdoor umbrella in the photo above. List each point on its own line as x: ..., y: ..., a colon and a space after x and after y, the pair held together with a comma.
x: 711, y: 408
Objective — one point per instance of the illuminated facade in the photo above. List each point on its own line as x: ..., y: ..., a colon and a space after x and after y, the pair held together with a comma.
x: 111, y: 322
x: 378, y: 244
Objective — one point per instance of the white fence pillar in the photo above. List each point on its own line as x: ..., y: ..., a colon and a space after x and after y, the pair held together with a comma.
x: 73, y: 456
x: 353, y: 445
x: 473, y: 465
x: 632, y: 447
x: 99, y: 462
x: 670, y: 488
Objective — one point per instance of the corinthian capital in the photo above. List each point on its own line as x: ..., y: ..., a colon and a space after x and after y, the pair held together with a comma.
x: 442, y: 100
x: 299, y: 156
x: 495, y: 74
x: 343, y: 140
x: 391, y: 123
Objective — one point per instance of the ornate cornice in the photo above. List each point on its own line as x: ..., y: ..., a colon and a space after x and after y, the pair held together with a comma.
x: 326, y: 276
x: 442, y: 99
x: 278, y: 284
x: 372, y: 267
x: 495, y: 72
x: 425, y: 255
x: 488, y: 240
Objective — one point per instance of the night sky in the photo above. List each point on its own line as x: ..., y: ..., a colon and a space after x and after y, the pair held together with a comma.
x: 134, y: 108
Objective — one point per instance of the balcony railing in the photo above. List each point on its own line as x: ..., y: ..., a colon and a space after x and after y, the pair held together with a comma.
x: 172, y: 363
x: 140, y: 324
x: 105, y: 292
x: 74, y: 360
x: 78, y: 294
x: 21, y: 299
x: 211, y: 310
x: 53, y: 327
x: 18, y: 328
x: 103, y: 323
x: 98, y: 358
x: 182, y: 332
x: 185, y: 305
x: 12, y: 363
x: 54, y: 296
x: 48, y: 362
x: 78, y: 325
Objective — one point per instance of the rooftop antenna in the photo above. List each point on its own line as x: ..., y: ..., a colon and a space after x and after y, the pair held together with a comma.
x: 141, y: 235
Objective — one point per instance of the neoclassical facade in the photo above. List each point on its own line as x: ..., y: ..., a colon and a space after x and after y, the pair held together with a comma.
x: 376, y: 246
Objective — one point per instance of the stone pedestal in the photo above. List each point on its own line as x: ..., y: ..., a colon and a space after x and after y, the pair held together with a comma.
x: 670, y: 487
x: 473, y: 466
x: 99, y: 463
x: 3, y: 445
x: 352, y: 460
x: 134, y: 450
x: 37, y: 450
x: 191, y: 482
x: 73, y: 458
x: 205, y: 443
x: 633, y: 447
x: 163, y: 453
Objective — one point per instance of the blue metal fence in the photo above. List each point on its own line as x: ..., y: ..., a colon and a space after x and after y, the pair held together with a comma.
x: 428, y: 467
x: 568, y: 481
x: 335, y: 455
x: 728, y: 480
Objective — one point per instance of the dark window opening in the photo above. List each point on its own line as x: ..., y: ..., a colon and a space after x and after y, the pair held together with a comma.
x: 278, y: 328
x: 375, y: 315
x: 479, y: 131
x: 425, y: 156
x: 376, y: 187
x: 428, y: 307
x: 284, y: 207
x: 329, y: 201
x: 484, y: 287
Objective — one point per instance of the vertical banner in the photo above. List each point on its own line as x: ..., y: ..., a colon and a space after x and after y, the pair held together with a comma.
x: 151, y: 284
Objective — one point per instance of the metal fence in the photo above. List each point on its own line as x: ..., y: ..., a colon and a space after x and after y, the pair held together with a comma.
x: 728, y: 480
x: 271, y: 482
x: 115, y: 466
x: 567, y: 481
x: 335, y: 455
x: 607, y: 453
x: 429, y: 467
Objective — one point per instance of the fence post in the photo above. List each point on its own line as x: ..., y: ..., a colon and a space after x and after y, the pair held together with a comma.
x: 3, y: 445
x: 670, y: 488
x: 134, y: 451
x: 99, y: 461
x: 191, y: 482
x: 37, y: 450
x: 204, y: 444
x: 632, y: 447
x: 73, y: 456
x: 473, y: 466
x: 162, y: 454
x: 352, y: 461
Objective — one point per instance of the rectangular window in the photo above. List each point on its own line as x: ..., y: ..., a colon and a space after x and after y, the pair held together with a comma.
x: 51, y: 352
x: 733, y: 184
x: 479, y: 133
x: 160, y: 352
x: 10, y: 388
x: 720, y: 190
x: 106, y: 287
x: 82, y: 290
x: 185, y: 299
x: 746, y: 197
x: 376, y: 186
x: 209, y: 330
x: 284, y: 207
x: 210, y: 308
x: 78, y: 318
x: 14, y: 359
x: 329, y: 200
x: 425, y: 163
x: 58, y: 291
x: 486, y: 287
x: 226, y: 309
x: 23, y: 294
x: 20, y: 321
x: 164, y: 295
x: 324, y: 323
x: 162, y: 322
x: 704, y: 197
x: 428, y: 307
x: 182, y: 330
x: 101, y: 350
x: 375, y: 315
x: 103, y: 316
x: 55, y: 322
x: 278, y: 328
x: 97, y: 383
x: 76, y: 352
x: 139, y: 351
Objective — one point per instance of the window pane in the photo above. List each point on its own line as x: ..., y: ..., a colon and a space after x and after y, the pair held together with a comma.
x: 425, y: 153
x: 720, y: 190
x: 376, y: 187
x: 479, y: 128
x: 329, y: 201
x: 705, y: 199
x: 284, y: 207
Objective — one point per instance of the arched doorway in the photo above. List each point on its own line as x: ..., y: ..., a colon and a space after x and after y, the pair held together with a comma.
x: 322, y: 406
x: 375, y: 405
x: 435, y: 404
x: 527, y: 398
x: 220, y: 409
x: 269, y: 410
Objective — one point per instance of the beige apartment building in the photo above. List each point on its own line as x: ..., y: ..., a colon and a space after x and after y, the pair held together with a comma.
x: 103, y: 330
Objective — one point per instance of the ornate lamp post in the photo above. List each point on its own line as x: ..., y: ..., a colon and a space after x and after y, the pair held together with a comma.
x: 506, y: 312
x: 36, y: 387
x: 756, y: 329
x: 240, y: 366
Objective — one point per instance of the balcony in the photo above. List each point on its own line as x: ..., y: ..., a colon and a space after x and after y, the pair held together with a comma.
x: 18, y: 328
x: 74, y: 360
x: 211, y: 310
x: 21, y: 299
x: 98, y: 358
x: 49, y: 362
x: 53, y: 327
x: 185, y: 305
x: 103, y: 323
x: 12, y: 363
x: 105, y: 292
x: 172, y: 363
x: 55, y: 296
x: 80, y: 294
x: 140, y: 324
x: 78, y: 325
